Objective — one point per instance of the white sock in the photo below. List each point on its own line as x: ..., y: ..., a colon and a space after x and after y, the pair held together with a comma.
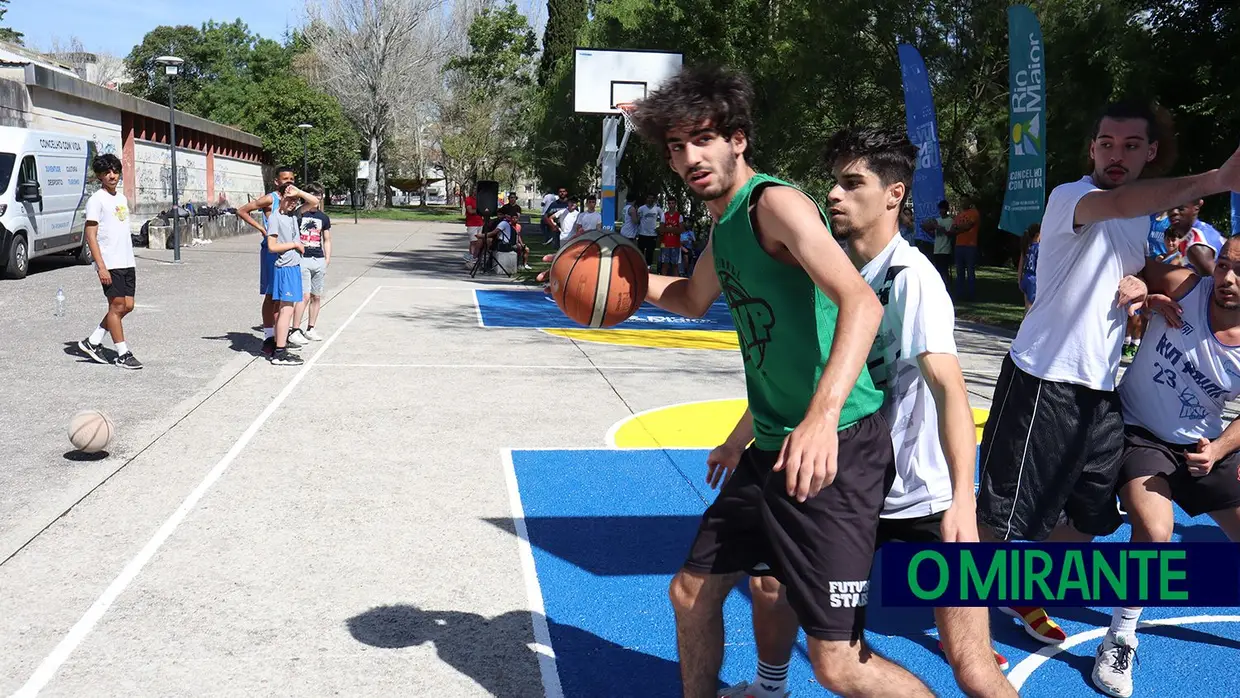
x: 1136, y: 343
x: 122, y: 348
x: 269, y: 332
x: 1124, y: 622
x: 771, y: 681
x: 97, y: 336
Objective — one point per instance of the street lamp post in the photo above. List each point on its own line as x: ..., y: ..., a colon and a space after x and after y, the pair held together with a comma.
x: 305, y: 153
x: 172, y: 66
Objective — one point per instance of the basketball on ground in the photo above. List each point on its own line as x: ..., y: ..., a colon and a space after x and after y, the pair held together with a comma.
x: 90, y: 431
x: 599, y: 279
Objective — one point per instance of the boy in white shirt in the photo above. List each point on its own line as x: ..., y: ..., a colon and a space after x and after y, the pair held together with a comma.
x: 1052, y: 447
x: 589, y: 221
x: 107, y: 235
x: 566, y: 220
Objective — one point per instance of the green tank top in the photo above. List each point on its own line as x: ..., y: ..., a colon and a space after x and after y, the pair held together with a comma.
x: 785, y: 325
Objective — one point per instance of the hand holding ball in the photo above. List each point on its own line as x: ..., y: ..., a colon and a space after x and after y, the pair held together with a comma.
x: 599, y: 279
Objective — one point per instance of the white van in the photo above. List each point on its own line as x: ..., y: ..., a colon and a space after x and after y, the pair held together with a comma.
x: 43, y: 191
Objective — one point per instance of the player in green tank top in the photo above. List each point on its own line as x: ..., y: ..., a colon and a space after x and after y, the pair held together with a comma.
x: 804, y: 502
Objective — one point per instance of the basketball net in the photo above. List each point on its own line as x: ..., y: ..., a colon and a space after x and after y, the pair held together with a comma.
x: 627, y: 109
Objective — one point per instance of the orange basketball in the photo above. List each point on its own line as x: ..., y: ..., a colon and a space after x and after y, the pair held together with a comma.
x: 599, y: 279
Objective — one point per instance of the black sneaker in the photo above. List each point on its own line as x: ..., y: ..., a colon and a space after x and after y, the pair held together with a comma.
x: 127, y: 360
x: 94, y: 351
x: 284, y: 357
x: 269, y: 346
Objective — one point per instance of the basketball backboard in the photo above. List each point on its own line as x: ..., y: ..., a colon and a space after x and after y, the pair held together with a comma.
x: 604, y: 78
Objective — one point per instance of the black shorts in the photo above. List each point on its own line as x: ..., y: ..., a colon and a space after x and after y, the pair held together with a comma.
x: 822, y: 549
x: 1147, y: 455
x: 919, y: 529
x: 124, y: 283
x: 1050, y: 451
x: 503, y: 246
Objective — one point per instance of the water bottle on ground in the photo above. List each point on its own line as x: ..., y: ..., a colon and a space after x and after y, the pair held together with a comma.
x: 60, y: 302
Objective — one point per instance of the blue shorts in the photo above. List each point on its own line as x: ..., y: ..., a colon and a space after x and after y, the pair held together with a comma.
x: 266, y: 268
x: 286, y: 284
x: 1029, y: 286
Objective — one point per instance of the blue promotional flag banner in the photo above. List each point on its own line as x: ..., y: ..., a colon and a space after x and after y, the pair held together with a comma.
x: 1026, y: 188
x: 923, y: 132
x: 1235, y: 214
x: 1061, y: 574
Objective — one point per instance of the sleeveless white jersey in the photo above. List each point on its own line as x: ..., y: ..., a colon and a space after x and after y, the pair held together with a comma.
x: 1180, y: 380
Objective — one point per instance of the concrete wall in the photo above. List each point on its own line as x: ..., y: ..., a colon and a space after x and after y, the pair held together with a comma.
x: 239, y: 181
x: 52, y: 111
x: 14, y: 104
x: 153, y: 170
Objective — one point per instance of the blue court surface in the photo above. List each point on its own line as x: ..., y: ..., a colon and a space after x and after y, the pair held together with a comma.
x: 609, y: 528
x: 538, y: 310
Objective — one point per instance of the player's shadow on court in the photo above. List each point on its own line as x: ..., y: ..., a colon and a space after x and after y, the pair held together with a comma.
x: 608, y: 546
x: 241, y: 342
x: 488, y: 650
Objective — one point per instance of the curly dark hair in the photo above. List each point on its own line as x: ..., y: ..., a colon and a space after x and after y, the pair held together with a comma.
x: 106, y: 163
x: 887, y: 152
x: 695, y: 95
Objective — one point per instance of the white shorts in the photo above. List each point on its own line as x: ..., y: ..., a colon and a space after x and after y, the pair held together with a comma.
x: 475, y: 232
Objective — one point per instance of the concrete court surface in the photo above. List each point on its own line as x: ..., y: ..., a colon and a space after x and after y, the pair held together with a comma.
x: 316, y: 530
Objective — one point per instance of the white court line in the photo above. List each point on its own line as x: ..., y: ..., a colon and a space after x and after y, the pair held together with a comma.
x: 503, y: 367
x: 1022, y: 671
x: 538, y: 612
x: 478, y: 308
x: 610, y: 437
x: 52, y: 663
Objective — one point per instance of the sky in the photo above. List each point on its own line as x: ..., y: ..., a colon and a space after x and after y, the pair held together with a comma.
x: 117, y: 27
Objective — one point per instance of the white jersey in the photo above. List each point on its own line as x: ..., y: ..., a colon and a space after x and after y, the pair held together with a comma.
x: 918, y: 318
x: 1074, y: 332
x: 1180, y: 379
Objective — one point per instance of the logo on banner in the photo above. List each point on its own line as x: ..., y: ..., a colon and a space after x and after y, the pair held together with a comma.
x: 1027, y: 135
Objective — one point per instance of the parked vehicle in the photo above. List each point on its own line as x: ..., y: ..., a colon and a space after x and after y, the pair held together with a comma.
x: 43, y: 191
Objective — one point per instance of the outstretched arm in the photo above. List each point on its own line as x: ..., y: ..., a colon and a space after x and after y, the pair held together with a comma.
x: 1147, y: 197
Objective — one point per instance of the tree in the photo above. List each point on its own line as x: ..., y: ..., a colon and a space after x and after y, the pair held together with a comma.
x: 376, y: 57
x: 236, y: 78
x: 331, y: 146
x: 480, y: 130
x: 7, y: 34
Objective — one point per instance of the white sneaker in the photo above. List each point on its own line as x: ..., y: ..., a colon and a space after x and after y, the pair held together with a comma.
x: 741, y: 690
x: 297, y: 337
x: 1113, y: 665
x: 313, y: 335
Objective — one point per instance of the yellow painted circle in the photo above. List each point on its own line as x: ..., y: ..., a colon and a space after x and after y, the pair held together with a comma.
x: 659, y: 339
x: 698, y: 425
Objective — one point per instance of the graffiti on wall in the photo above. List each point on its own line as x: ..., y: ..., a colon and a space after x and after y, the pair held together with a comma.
x: 238, y: 181
x: 153, y: 165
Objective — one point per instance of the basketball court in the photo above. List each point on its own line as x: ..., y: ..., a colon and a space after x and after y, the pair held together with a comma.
x: 427, y: 506
x: 458, y: 494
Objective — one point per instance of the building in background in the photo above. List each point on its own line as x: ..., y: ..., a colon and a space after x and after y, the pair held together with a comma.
x: 216, y: 164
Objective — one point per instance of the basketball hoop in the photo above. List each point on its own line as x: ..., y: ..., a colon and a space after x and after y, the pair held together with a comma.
x: 626, y: 110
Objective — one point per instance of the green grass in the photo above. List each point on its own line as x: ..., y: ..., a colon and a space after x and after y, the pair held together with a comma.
x: 537, y: 251
x: 440, y: 214
x: 999, y: 303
